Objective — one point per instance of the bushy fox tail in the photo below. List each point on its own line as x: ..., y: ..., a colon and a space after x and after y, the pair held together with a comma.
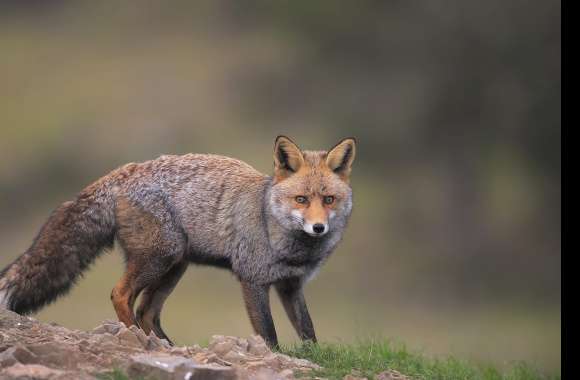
x: 73, y: 236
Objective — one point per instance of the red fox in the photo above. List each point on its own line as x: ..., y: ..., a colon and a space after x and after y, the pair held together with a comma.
x: 202, y: 209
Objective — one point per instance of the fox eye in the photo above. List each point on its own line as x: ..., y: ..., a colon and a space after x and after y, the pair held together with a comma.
x: 300, y: 199
x: 329, y: 199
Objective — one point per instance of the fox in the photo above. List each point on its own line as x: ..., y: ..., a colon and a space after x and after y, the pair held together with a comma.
x: 270, y: 231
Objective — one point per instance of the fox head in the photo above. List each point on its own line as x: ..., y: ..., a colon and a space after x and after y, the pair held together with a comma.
x: 310, y: 190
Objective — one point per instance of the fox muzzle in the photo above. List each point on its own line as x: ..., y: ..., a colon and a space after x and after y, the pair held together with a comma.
x: 316, y: 229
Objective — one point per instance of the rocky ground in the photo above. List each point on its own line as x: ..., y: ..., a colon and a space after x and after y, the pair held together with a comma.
x: 33, y: 350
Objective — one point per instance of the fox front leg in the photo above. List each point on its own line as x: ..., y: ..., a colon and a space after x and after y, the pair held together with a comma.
x: 292, y: 297
x: 257, y: 302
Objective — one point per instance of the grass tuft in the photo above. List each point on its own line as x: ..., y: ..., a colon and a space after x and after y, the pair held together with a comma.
x: 371, y: 357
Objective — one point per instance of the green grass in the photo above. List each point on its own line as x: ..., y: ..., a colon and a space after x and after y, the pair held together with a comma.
x: 374, y: 356
x: 116, y: 374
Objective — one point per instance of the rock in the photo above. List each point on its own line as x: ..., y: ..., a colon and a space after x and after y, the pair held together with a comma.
x: 281, y: 361
x: 30, y: 349
x: 111, y: 328
x: 31, y: 372
x: 56, y: 355
x: 254, y: 365
x: 140, y: 334
x: 99, y: 330
x: 102, y: 343
x: 76, y: 334
x: 355, y: 374
x: 302, y: 363
x: 128, y: 338
x: 180, y: 351
x: 273, y: 360
x: 353, y: 377
x: 155, y: 343
x: 9, y: 319
x: 391, y: 375
x: 103, y: 339
x: 160, y: 367
x: 166, y: 367
x: 266, y: 374
x: 235, y: 357
x: 242, y: 345
x: 16, y: 354
x: 286, y: 374
x: 222, y: 348
x: 257, y: 346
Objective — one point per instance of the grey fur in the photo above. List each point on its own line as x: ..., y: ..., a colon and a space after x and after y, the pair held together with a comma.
x: 212, y: 210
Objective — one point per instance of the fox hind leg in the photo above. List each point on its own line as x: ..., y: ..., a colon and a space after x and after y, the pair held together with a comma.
x: 138, y: 277
x: 153, y: 298
x: 123, y: 297
x: 153, y: 244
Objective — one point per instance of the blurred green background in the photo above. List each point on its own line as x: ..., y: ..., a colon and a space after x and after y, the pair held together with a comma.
x: 454, y: 243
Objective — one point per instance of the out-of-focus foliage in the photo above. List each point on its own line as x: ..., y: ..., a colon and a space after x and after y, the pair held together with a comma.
x: 455, y: 238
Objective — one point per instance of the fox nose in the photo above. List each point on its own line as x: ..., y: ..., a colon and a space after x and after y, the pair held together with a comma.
x: 318, y: 228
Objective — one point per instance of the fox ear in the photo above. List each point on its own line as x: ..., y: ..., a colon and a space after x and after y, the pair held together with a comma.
x: 287, y: 157
x: 339, y: 159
